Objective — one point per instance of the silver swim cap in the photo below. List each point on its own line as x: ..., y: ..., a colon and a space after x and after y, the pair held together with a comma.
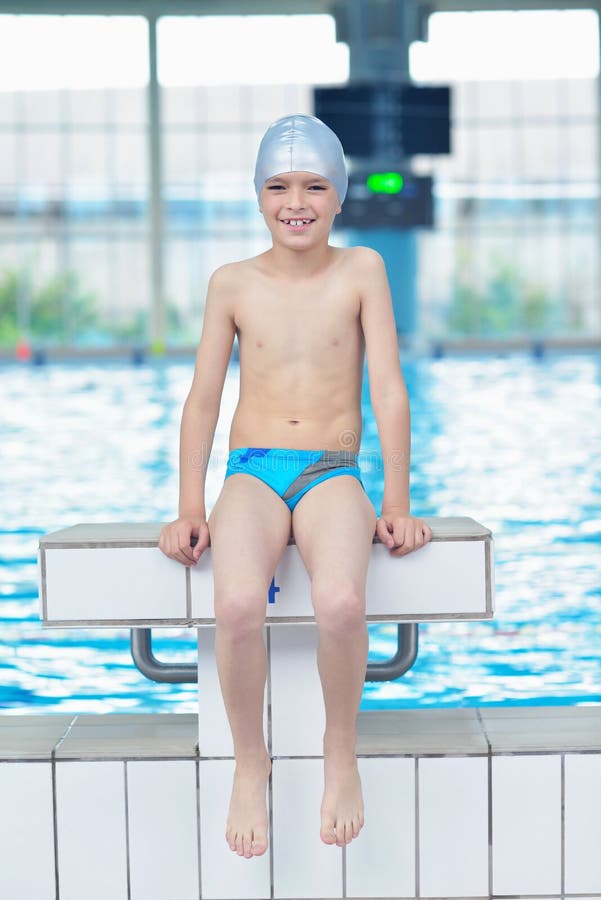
x: 301, y: 144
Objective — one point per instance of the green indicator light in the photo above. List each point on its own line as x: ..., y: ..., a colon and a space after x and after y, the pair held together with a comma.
x: 385, y: 182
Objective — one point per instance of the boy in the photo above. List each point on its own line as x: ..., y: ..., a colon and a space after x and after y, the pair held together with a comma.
x: 304, y: 312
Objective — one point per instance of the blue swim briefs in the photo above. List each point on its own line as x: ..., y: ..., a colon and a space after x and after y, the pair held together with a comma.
x: 291, y: 473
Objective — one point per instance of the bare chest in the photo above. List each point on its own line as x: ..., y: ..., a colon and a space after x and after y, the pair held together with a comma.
x: 277, y: 323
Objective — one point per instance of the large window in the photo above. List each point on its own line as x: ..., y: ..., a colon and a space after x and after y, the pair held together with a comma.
x: 516, y: 244
x: 516, y: 250
x: 73, y: 184
x: 74, y: 140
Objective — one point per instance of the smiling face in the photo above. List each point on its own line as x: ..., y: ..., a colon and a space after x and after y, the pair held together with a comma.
x: 299, y: 197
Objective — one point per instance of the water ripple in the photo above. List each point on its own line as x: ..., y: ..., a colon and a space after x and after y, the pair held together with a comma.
x: 513, y: 442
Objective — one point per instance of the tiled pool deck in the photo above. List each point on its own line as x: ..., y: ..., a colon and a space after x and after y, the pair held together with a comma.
x: 459, y: 803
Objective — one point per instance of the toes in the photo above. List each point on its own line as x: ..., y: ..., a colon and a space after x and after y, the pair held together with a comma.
x: 231, y: 839
x: 357, y: 825
x: 341, y: 835
x: 247, y: 846
x: 259, y: 844
x: 328, y: 831
x: 348, y: 832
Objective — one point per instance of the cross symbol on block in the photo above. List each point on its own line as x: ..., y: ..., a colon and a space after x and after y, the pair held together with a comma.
x: 273, y: 590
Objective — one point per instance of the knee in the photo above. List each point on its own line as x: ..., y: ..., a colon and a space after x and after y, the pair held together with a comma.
x: 338, y: 606
x: 240, y: 612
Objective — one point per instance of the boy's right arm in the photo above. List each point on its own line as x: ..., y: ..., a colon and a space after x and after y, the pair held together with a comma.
x: 199, y: 420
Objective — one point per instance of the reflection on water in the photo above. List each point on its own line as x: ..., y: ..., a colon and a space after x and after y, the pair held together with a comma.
x: 513, y: 442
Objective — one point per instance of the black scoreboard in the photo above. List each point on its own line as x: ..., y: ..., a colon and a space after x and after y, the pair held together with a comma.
x: 404, y: 119
x: 387, y: 200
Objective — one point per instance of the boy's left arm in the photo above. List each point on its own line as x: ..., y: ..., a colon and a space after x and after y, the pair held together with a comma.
x: 396, y: 527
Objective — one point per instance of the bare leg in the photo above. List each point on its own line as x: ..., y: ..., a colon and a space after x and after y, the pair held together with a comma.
x: 242, y: 672
x: 249, y: 528
x: 342, y: 661
x: 334, y: 525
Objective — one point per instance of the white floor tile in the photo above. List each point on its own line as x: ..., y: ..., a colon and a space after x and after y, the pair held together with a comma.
x: 381, y: 861
x: 453, y: 826
x: 526, y: 839
x: 163, y: 837
x: 304, y: 866
x: 224, y: 874
x: 582, y: 822
x: 26, y: 832
x: 90, y: 799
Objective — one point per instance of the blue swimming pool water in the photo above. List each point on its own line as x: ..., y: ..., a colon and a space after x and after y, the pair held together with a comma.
x: 512, y: 441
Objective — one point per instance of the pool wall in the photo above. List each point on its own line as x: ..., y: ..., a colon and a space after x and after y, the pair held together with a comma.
x: 465, y: 803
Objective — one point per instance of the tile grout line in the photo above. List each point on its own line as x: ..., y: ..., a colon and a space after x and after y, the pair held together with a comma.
x: 55, y: 822
x: 198, y: 828
x: 489, y: 800
x: 53, y: 762
x: 127, y: 861
x: 563, y: 826
x: 270, y: 832
x: 64, y: 736
x: 484, y: 731
x: 490, y: 826
x: 417, y: 846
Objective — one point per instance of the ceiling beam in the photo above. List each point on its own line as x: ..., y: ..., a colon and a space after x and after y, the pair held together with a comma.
x: 162, y: 7
x: 258, y: 7
x: 508, y: 5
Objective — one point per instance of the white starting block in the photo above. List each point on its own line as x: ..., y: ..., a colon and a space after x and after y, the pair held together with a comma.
x: 109, y: 575
x: 114, y: 575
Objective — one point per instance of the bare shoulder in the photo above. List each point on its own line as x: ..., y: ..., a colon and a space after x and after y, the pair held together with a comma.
x: 368, y: 269
x: 225, y: 275
x: 366, y: 258
x: 224, y: 288
x: 236, y: 274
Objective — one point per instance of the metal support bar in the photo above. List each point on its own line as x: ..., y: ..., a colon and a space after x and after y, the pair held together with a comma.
x: 403, y: 659
x: 187, y: 673
x: 151, y: 667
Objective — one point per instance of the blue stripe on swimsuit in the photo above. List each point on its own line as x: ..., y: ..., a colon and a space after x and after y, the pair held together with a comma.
x: 289, y: 472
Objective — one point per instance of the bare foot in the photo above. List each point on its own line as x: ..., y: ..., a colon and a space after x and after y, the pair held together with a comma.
x: 342, y: 805
x: 246, y: 830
